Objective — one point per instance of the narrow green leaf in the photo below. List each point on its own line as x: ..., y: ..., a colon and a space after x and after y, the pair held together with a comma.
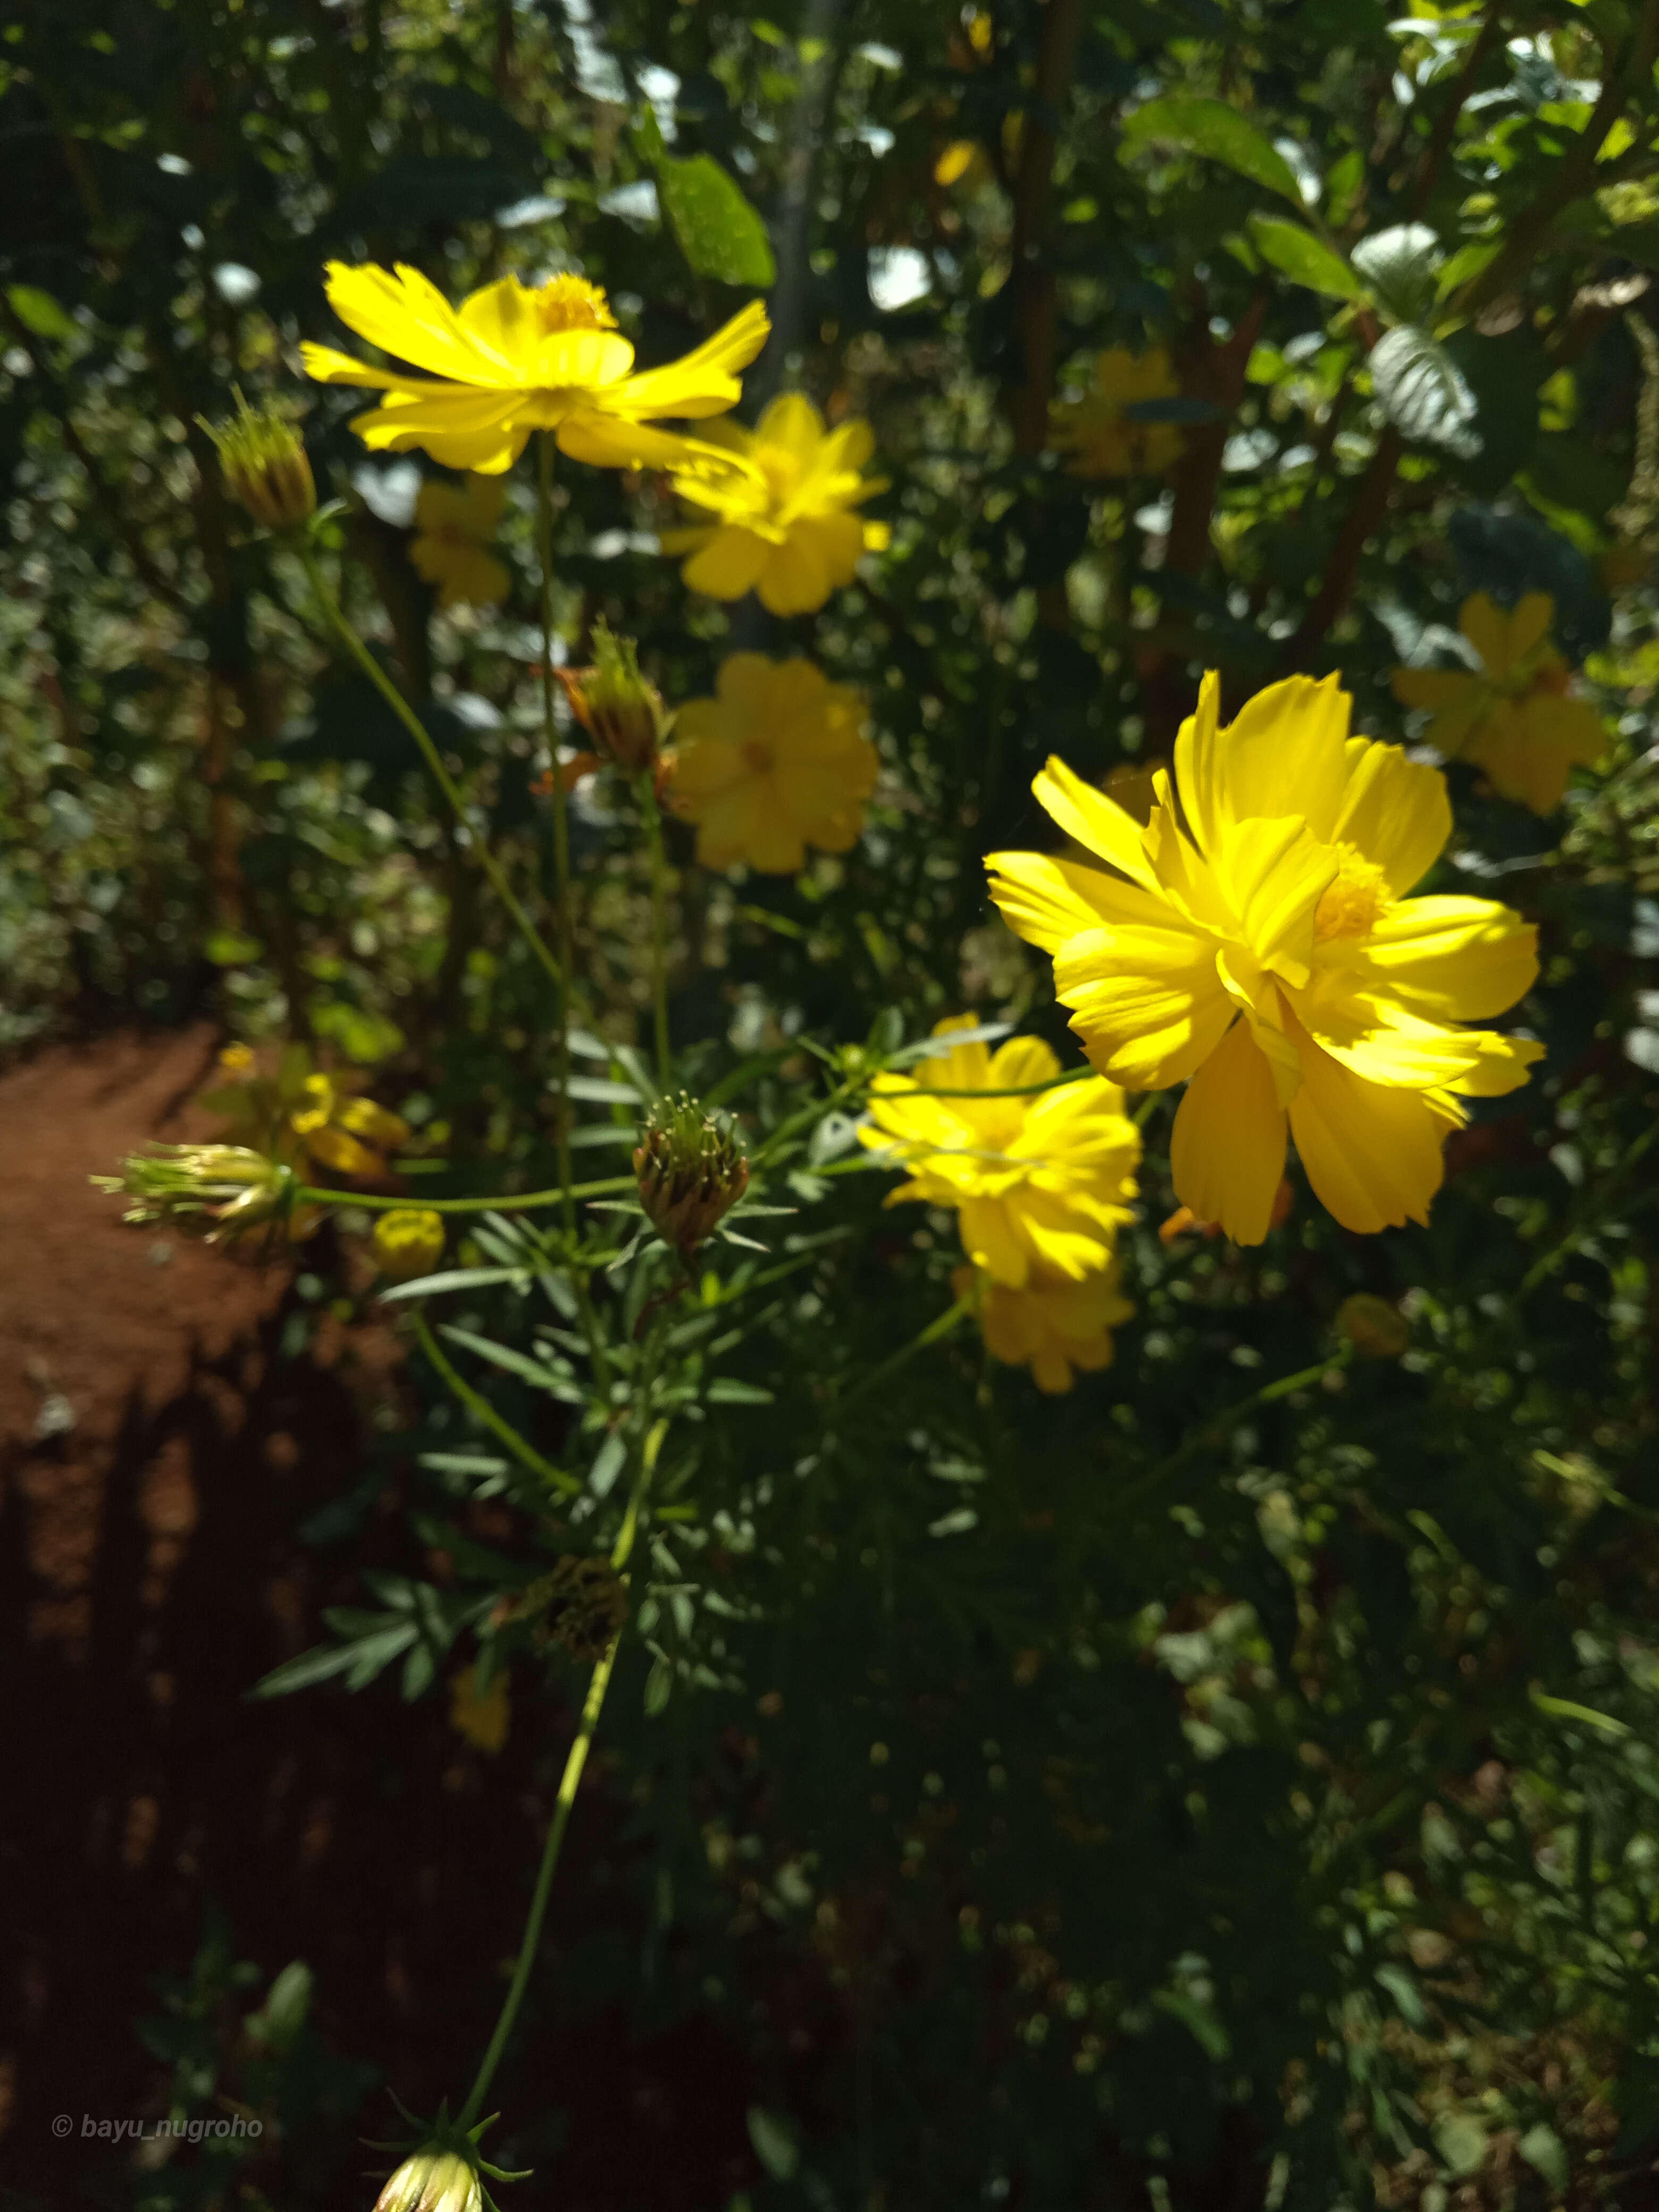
x: 1220, y: 133
x: 38, y: 312
x: 1564, y: 1709
x: 719, y: 233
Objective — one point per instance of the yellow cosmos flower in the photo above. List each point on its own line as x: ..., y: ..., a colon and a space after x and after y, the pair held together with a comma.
x: 453, y: 526
x: 776, y: 761
x: 1042, y: 1183
x: 514, y: 358
x: 1255, y: 941
x: 1052, y: 1326
x: 1102, y: 440
x: 785, y: 528
x: 1517, y: 718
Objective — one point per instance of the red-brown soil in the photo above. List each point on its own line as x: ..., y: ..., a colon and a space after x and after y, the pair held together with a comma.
x: 149, y: 1573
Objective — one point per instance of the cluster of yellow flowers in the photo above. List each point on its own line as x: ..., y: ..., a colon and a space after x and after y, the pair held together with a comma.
x: 1040, y: 1173
x: 1245, y: 929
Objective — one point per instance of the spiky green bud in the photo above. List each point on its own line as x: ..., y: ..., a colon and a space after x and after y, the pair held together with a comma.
x: 619, y: 708
x: 691, y: 1173
x: 264, y: 466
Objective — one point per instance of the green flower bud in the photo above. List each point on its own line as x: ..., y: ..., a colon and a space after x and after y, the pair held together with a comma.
x: 264, y: 466
x: 433, y: 2181
x: 215, y: 1191
x: 619, y: 708
x: 1372, y: 1326
x: 409, y: 1242
x: 691, y: 1173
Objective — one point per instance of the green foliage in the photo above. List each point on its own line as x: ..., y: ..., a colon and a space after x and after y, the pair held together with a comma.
x: 1244, y: 1763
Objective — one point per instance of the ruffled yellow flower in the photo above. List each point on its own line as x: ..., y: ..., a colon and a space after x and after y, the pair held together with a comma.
x: 1042, y: 1184
x: 1517, y: 718
x: 514, y: 358
x: 1052, y: 1326
x: 453, y: 526
x: 1254, y: 939
x: 786, y: 529
x: 1103, y: 441
x: 776, y: 761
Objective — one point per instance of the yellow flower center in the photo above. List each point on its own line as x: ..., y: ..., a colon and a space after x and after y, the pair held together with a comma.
x: 571, y: 303
x: 1352, y: 903
x: 757, y: 756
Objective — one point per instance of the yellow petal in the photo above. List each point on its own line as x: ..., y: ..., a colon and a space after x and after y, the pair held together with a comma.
x: 459, y: 428
x: 703, y: 381
x: 990, y: 1242
x: 1530, y: 624
x: 1198, y: 766
x: 1285, y: 752
x: 1486, y: 627
x: 607, y: 441
x: 329, y: 366
x: 1272, y: 874
x: 1505, y: 1063
x: 792, y: 421
x: 1461, y: 959
x: 793, y: 580
x: 1096, y: 822
x: 1227, y: 1149
x: 729, y: 563
x: 1147, y: 1003
x: 1395, y: 812
x: 1437, y: 690
x: 403, y: 312
x: 1372, y: 1154
x: 1045, y: 901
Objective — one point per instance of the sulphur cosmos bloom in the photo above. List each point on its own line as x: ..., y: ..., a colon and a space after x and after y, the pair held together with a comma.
x: 514, y: 358
x: 1052, y: 1325
x: 785, y: 527
x: 1102, y: 439
x: 1041, y: 1183
x: 1516, y: 719
x: 1254, y: 939
x: 775, y: 762
x: 453, y: 526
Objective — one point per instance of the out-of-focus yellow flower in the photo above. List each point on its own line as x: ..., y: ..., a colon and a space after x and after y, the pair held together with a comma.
x: 514, y: 358
x: 483, y: 1717
x: 785, y: 528
x: 1254, y: 937
x: 776, y: 761
x: 453, y: 526
x: 1102, y: 439
x: 408, y: 1242
x: 1052, y: 1325
x: 302, y: 1117
x: 961, y: 158
x: 1042, y: 1183
x: 1516, y: 719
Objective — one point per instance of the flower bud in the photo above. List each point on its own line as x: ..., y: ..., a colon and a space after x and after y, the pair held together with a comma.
x: 1372, y: 1326
x: 264, y: 466
x: 691, y: 1173
x: 620, y: 711
x: 216, y: 1191
x: 409, y: 1242
x: 433, y: 2181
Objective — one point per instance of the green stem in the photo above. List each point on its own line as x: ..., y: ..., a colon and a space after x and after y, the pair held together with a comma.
x: 563, y: 924
x: 591, y: 1705
x: 651, y: 815
x: 481, y: 1408
x: 941, y: 1326
x: 507, y: 1201
x: 1211, y: 1431
x: 418, y: 730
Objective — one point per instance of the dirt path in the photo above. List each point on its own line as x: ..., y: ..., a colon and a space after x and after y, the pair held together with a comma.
x: 157, y: 1456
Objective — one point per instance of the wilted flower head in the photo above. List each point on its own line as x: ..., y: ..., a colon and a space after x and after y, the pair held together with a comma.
x: 433, y: 2181
x: 264, y: 466
x: 408, y: 1242
x: 216, y: 1191
x: 691, y: 1173
x: 619, y: 708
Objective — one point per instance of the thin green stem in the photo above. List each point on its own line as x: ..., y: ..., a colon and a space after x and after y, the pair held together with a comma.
x: 562, y: 920
x: 650, y: 1449
x: 940, y: 1327
x: 651, y: 815
x: 481, y: 1408
x: 418, y: 730
x: 1213, y: 1430
x: 507, y: 1201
